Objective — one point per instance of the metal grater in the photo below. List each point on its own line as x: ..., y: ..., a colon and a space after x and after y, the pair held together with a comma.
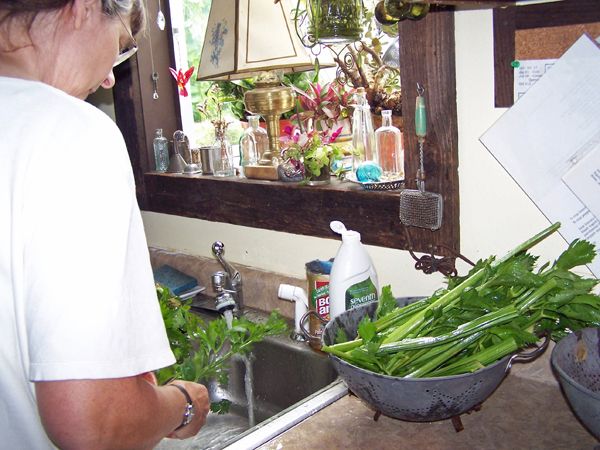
x: 419, y: 208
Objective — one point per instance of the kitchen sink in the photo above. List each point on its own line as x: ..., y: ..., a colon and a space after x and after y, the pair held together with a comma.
x: 289, y: 382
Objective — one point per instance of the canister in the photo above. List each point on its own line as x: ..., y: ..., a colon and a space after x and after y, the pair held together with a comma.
x: 208, y: 155
x: 317, y: 276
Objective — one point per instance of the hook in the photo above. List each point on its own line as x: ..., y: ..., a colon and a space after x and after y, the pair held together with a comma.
x: 420, y: 90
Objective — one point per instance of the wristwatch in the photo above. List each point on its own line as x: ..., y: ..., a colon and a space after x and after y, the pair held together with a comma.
x: 189, y: 412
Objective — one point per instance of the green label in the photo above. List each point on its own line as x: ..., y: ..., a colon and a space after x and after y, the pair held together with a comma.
x: 360, y: 293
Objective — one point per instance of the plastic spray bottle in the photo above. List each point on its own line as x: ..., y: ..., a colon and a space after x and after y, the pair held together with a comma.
x: 353, y: 280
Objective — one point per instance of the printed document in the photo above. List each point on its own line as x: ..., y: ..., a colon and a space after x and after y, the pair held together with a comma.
x: 548, y: 141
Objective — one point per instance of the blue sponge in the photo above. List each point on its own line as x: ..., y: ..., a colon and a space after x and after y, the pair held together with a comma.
x: 177, y: 282
x: 368, y: 172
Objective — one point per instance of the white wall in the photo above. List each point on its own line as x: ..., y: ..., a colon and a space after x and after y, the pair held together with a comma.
x: 495, y: 215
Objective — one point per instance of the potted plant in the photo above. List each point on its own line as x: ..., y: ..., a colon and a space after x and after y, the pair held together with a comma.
x: 327, y: 105
x: 312, y: 153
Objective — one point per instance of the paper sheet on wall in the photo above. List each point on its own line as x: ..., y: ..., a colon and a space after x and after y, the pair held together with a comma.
x: 528, y: 72
x: 543, y: 136
x: 584, y: 180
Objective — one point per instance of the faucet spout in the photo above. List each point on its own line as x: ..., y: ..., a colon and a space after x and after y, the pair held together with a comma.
x: 234, y: 279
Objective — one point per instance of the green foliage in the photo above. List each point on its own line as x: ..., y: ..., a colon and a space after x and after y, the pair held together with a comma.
x: 500, y: 307
x: 579, y: 253
x: 387, y: 302
x: 313, y: 153
x: 203, y: 349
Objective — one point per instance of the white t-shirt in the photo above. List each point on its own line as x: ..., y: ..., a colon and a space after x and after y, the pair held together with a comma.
x: 77, y: 298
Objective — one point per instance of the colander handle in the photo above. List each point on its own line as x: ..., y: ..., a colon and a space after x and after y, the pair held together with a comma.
x: 531, y: 355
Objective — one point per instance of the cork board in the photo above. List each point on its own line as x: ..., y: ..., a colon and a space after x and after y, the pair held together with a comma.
x: 550, y: 42
x: 537, y: 31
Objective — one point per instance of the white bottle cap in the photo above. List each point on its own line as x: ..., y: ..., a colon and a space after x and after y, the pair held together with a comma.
x: 347, y: 235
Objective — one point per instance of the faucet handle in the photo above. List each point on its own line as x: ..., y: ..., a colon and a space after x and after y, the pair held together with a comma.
x: 218, y: 248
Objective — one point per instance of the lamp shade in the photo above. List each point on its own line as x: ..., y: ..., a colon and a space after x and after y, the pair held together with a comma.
x: 246, y: 37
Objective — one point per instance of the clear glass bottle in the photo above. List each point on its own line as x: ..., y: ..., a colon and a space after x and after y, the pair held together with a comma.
x: 253, y: 143
x: 224, y: 164
x: 390, y: 154
x: 161, y: 151
x: 363, y: 137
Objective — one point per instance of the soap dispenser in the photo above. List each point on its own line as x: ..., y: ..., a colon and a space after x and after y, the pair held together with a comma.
x: 353, y: 280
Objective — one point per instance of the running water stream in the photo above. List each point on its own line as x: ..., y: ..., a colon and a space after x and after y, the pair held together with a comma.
x: 248, y: 377
x: 248, y: 383
x: 228, y: 314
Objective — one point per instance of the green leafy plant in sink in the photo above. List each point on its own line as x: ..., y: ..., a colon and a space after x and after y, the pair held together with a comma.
x: 203, y: 349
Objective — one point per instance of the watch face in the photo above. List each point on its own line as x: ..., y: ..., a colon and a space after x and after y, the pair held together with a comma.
x: 188, y: 415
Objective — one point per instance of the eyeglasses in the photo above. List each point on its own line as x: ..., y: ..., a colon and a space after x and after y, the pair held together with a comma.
x: 128, y: 52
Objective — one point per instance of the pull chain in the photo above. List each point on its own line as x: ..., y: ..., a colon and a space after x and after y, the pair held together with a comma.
x: 154, y: 72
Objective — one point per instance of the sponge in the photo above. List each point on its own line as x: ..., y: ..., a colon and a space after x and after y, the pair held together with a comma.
x: 177, y: 281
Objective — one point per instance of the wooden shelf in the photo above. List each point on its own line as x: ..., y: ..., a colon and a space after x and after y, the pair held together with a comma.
x: 288, y: 207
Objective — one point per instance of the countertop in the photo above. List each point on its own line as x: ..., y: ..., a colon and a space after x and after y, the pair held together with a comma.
x: 520, y: 414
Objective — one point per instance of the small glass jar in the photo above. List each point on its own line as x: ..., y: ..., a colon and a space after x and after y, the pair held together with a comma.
x: 253, y: 143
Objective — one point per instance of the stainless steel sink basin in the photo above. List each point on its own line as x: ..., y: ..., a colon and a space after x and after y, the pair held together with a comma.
x: 289, y: 382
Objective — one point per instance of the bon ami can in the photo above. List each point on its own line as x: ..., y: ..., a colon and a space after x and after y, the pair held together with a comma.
x: 317, y: 276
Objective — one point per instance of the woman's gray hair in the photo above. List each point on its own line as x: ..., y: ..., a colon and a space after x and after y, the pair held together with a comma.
x: 26, y: 10
x: 133, y: 8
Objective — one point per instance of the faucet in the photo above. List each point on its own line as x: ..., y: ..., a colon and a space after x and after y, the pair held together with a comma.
x: 233, y: 282
x: 224, y: 300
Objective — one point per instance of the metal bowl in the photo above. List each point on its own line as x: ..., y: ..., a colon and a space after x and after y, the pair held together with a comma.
x: 417, y: 399
x: 576, y: 360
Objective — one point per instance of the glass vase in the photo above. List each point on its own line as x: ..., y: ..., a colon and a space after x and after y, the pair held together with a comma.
x: 317, y: 180
x: 223, y: 165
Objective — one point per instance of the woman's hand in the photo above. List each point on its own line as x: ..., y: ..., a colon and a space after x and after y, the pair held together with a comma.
x: 199, y: 396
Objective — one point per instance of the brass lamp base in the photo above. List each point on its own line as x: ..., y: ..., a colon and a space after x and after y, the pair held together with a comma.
x: 257, y: 172
x: 269, y: 99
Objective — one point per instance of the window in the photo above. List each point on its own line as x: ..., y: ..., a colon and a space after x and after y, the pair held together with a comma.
x: 426, y: 56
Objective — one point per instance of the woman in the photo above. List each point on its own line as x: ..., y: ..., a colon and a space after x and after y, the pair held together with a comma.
x: 80, y: 325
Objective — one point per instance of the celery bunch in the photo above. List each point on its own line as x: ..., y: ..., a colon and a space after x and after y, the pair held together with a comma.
x: 499, y: 307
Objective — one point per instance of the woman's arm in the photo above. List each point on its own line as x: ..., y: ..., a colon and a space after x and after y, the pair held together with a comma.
x: 117, y: 413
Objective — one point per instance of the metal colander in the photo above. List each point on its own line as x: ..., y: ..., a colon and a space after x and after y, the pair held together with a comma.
x: 576, y: 360
x: 416, y: 399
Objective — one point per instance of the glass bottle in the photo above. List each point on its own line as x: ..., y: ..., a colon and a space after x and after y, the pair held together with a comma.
x: 401, y: 9
x: 390, y: 154
x: 161, y: 151
x: 363, y: 137
x: 224, y: 163
x: 253, y: 143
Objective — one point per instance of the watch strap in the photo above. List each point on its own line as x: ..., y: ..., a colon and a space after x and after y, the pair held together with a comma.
x: 189, y: 407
